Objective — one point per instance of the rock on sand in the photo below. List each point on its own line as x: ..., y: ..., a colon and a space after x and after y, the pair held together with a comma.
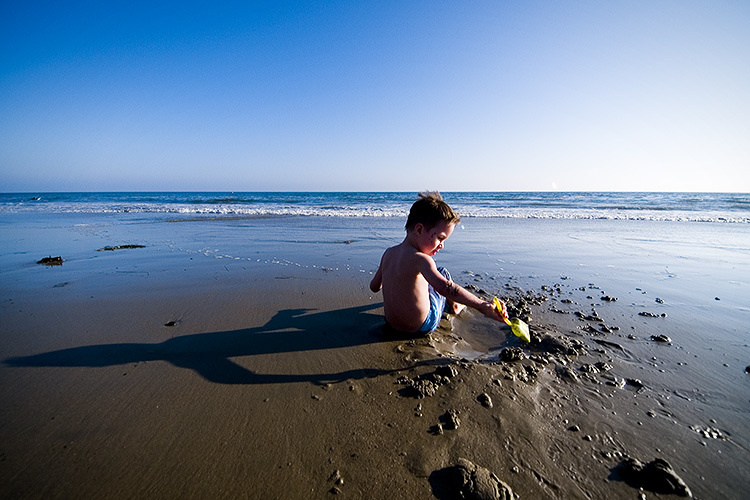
x: 468, y: 481
x: 657, y: 476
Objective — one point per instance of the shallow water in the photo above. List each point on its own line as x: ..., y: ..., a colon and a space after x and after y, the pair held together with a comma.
x: 699, y: 271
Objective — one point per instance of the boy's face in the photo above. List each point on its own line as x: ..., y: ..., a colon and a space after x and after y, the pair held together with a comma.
x: 430, y: 239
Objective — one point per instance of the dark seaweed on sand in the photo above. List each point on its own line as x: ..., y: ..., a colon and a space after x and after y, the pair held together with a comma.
x: 119, y: 247
x: 51, y: 261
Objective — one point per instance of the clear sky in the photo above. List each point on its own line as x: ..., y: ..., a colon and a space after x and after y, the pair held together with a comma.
x: 375, y: 95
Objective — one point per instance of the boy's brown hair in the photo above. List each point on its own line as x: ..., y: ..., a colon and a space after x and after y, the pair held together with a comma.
x: 429, y: 210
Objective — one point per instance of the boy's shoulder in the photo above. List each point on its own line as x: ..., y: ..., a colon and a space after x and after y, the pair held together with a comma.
x: 404, y: 252
x: 402, y: 249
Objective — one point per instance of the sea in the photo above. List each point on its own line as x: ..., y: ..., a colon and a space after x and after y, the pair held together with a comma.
x: 696, y: 207
x: 691, y: 247
x: 702, y: 238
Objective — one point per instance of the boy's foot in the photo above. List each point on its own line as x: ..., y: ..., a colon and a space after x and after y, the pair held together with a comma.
x: 454, y: 307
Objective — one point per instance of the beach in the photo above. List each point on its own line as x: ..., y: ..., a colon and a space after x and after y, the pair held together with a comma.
x: 236, y: 355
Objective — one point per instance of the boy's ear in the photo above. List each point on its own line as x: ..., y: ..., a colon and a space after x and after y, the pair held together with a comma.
x: 418, y: 227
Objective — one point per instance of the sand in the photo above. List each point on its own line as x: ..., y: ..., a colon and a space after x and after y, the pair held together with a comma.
x: 271, y: 381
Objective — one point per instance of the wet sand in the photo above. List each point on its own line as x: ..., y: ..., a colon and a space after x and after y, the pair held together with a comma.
x: 269, y: 381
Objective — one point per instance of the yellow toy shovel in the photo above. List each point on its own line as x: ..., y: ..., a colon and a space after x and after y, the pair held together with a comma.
x: 519, y: 328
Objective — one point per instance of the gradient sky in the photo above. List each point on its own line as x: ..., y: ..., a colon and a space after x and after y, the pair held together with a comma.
x: 375, y: 95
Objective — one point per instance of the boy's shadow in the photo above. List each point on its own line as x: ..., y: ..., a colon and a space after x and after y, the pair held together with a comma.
x: 209, y: 354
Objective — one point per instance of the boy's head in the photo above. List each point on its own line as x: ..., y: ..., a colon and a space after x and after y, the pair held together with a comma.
x: 429, y: 210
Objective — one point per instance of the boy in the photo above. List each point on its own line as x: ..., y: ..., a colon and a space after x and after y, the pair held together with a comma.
x: 414, y: 288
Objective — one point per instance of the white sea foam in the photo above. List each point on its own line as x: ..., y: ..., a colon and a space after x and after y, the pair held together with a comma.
x: 680, y: 207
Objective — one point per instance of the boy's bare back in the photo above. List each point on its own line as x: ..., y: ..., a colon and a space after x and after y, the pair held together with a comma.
x: 405, y: 289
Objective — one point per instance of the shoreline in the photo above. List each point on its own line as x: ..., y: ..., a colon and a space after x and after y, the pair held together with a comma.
x: 273, y: 376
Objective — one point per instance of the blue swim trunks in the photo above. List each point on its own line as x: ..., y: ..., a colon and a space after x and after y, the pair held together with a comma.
x: 437, y: 306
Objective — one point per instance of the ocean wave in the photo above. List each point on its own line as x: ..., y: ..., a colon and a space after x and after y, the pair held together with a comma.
x: 694, y: 207
x: 299, y: 208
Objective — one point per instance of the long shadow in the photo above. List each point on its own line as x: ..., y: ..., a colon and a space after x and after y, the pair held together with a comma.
x: 209, y: 354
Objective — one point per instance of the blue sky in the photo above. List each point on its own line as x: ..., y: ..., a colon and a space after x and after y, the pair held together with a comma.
x: 375, y: 95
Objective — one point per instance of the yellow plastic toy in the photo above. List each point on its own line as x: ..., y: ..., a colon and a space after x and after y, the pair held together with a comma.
x: 519, y: 328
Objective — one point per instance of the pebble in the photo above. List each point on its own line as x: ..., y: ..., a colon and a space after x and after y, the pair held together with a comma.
x: 485, y: 400
x: 634, y: 382
x: 337, y: 479
x: 566, y: 373
x: 652, y: 315
x: 510, y: 354
x: 661, y: 338
x: 428, y: 384
x: 450, y: 419
x: 709, y: 432
x: 447, y: 371
x: 589, y: 368
x: 616, y: 382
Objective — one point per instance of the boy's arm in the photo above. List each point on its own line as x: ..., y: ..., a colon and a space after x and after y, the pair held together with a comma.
x: 457, y: 293
x: 377, y: 281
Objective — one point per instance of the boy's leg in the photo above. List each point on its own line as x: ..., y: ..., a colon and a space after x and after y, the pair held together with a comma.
x: 450, y: 306
x: 438, y: 304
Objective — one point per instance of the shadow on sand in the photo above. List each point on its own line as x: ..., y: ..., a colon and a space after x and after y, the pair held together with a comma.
x: 209, y: 354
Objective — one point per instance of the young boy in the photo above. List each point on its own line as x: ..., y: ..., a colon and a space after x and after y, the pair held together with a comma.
x: 414, y: 288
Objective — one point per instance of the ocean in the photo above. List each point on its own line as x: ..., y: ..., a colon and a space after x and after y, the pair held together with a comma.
x: 696, y: 207
x: 692, y: 248
x: 649, y: 236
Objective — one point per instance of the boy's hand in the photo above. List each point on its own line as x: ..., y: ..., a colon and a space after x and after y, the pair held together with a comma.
x: 489, y: 310
x: 500, y: 306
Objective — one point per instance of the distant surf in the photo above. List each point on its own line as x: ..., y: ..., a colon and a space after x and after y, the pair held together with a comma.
x: 698, y: 207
